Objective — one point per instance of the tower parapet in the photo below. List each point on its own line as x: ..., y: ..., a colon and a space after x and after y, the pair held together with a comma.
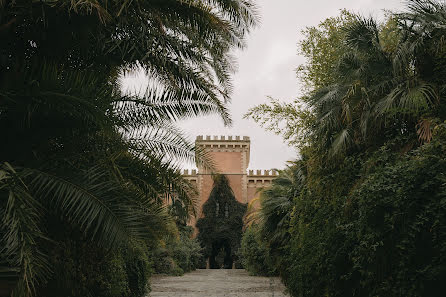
x: 260, y: 179
x: 226, y: 144
x: 268, y: 172
x: 191, y: 175
x: 222, y: 140
x: 186, y: 172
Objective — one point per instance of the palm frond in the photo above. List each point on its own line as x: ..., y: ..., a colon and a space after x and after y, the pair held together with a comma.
x: 424, y: 130
x: 89, y: 201
x: 341, y: 142
x: 362, y: 34
x: 21, y: 230
x: 157, y: 106
x: 277, y: 204
x: 252, y: 215
x: 409, y: 97
x: 351, y: 67
x: 158, y: 180
x: 167, y: 142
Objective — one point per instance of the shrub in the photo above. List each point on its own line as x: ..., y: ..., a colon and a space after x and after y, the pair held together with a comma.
x: 383, y: 235
x: 187, y: 253
x: 163, y: 262
x: 82, y: 269
x: 178, y: 255
x: 138, y: 269
x: 254, y: 253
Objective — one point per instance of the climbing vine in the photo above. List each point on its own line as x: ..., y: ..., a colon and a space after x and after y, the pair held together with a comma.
x: 220, y: 228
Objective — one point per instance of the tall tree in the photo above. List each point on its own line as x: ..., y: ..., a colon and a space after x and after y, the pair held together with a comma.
x: 369, y: 219
x: 80, y: 150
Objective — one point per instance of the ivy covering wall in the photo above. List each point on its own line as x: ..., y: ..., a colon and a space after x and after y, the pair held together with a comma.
x: 220, y: 228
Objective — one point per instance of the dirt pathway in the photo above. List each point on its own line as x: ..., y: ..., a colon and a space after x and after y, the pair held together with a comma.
x: 216, y: 283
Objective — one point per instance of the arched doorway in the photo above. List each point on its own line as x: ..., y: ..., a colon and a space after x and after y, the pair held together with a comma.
x: 221, y: 256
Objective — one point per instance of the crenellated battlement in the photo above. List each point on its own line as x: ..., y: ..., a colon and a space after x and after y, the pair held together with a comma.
x: 224, y: 138
x: 258, y: 173
x: 226, y: 144
x: 260, y: 179
x: 250, y: 173
x: 192, y: 172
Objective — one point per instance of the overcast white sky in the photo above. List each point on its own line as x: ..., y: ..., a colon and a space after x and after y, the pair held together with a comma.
x: 267, y: 68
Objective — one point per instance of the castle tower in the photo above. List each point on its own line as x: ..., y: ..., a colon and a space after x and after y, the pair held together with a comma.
x: 230, y: 156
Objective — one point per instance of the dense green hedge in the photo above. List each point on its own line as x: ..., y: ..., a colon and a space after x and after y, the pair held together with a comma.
x: 254, y: 253
x: 374, y: 225
x: 178, y: 255
x: 82, y: 269
x: 385, y: 237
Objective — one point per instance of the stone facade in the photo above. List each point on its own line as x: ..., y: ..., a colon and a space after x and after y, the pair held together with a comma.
x: 231, y: 158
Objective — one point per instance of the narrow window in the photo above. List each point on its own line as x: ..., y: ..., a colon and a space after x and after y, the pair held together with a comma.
x: 217, y: 209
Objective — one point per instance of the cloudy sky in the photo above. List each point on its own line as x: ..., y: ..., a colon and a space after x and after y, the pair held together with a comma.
x: 267, y: 68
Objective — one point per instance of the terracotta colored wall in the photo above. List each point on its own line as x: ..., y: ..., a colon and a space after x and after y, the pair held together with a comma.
x: 205, y: 188
x: 252, y: 193
x: 228, y: 162
x: 231, y: 157
x: 236, y: 183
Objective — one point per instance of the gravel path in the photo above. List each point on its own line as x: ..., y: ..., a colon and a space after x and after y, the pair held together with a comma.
x: 216, y: 283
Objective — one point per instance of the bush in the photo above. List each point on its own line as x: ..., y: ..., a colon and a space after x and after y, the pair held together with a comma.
x: 138, y: 269
x: 178, y: 255
x: 82, y: 269
x: 383, y: 235
x: 187, y: 253
x: 163, y: 262
x: 254, y: 253
x: 400, y: 226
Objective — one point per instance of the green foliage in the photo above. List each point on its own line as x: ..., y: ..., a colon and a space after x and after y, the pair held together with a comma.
x: 383, y: 238
x: 78, y: 150
x: 271, y: 234
x: 289, y: 120
x: 188, y: 254
x: 322, y: 46
x: 400, y: 226
x: 164, y: 263
x: 138, y: 269
x: 367, y: 217
x: 178, y: 255
x: 254, y: 253
x: 84, y: 270
x: 182, y: 45
x: 222, y: 223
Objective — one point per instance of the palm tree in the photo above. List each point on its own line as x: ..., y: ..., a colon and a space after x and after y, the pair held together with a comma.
x: 182, y: 45
x: 277, y: 205
x: 81, y: 150
x: 418, y: 66
x: 90, y: 172
x: 398, y: 91
x: 344, y: 110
